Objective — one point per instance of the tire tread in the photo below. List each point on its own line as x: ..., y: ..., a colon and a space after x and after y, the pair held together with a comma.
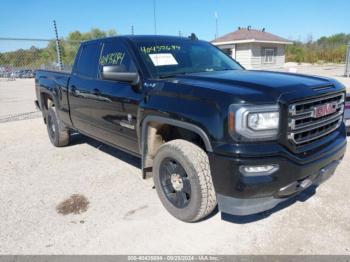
x: 199, y: 159
x: 63, y: 136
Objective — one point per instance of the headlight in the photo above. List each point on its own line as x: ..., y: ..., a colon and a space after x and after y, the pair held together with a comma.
x: 263, y: 121
x: 254, y: 122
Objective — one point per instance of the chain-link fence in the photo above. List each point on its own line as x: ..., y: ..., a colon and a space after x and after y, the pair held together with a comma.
x: 19, y: 58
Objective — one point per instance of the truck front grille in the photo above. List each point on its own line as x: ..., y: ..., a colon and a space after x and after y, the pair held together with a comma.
x: 313, y: 119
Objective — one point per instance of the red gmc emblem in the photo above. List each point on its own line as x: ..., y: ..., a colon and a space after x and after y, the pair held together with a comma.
x: 325, y: 109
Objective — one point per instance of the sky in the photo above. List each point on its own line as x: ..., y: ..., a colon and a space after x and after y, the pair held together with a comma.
x: 295, y: 20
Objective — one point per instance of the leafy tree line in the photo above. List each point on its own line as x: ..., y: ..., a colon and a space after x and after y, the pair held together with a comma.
x: 325, y: 49
x: 36, y: 57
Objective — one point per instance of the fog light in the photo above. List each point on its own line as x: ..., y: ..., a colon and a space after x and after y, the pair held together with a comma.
x: 263, y: 170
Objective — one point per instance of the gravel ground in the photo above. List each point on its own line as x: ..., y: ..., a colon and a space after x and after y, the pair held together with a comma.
x: 89, y: 198
x: 17, y: 100
x: 124, y: 215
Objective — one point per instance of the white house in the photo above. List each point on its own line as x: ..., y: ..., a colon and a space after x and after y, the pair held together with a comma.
x: 254, y: 49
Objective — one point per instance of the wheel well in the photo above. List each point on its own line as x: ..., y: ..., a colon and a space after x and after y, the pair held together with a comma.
x: 46, y: 102
x: 160, y: 133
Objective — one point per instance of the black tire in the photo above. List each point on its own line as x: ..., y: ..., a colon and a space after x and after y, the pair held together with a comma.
x: 58, y: 133
x: 185, y: 164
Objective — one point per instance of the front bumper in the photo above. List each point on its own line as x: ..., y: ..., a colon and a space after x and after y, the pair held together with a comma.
x: 242, y: 207
x: 241, y: 195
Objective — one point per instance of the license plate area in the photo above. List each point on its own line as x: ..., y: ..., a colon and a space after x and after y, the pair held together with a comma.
x: 316, y: 179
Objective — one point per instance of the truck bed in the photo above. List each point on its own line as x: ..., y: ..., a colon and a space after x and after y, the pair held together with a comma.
x: 53, y: 82
x: 47, y: 79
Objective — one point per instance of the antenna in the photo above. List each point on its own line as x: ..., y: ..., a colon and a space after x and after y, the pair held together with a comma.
x: 216, y: 25
x: 58, y: 50
x: 155, y: 17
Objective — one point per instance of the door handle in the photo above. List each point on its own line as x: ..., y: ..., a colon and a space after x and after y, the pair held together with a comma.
x: 96, y: 92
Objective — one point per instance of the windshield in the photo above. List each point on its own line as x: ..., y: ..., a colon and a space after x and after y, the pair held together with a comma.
x: 166, y: 58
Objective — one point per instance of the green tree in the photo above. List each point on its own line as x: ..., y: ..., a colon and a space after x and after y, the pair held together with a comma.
x: 325, y: 49
x: 36, y: 57
x: 70, y: 45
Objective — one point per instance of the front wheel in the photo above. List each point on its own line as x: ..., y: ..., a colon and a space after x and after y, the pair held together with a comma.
x: 183, y: 181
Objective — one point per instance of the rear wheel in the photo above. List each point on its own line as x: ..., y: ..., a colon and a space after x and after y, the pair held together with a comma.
x: 183, y: 181
x: 58, y: 133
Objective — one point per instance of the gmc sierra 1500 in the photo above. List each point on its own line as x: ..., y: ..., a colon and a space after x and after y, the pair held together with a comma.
x: 207, y: 130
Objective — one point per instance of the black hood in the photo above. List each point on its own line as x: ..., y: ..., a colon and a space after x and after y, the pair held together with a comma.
x: 266, y: 83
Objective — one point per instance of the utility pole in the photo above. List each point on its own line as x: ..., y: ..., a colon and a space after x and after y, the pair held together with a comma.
x: 155, y: 17
x: 347, y: 62
x: 58, y: 50
x: 216, y: 25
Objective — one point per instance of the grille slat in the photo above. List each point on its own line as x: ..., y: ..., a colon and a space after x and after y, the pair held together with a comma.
x: 304, y: 126
x: 314, y: 124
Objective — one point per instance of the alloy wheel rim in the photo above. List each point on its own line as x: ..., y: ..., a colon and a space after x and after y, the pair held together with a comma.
x: 175, y: 183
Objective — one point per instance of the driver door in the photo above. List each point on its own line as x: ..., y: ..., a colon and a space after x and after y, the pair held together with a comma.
x: 116, y: 103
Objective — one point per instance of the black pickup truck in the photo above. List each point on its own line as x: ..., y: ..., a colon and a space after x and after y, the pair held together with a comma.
x: 207, y: 130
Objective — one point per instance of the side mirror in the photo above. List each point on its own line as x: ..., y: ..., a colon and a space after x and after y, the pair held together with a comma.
x: 117, y: 73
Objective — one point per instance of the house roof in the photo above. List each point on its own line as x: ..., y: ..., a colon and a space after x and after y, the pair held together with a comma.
x: 247, y: 35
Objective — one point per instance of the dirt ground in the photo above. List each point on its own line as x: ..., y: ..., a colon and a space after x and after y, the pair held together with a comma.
x: 89, y: 198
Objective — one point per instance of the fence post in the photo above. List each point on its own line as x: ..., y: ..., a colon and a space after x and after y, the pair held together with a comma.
x: 347, y: 62
x: 58, y: 50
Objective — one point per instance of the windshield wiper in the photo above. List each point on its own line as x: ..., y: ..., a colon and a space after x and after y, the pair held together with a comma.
x: 172, y: 75
x: 227, y: 69
x: 188, y: 73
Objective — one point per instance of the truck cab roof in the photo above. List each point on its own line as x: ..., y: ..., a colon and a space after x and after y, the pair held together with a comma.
x: 140, y: 38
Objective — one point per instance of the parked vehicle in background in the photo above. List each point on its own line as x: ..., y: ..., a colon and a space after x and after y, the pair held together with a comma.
x: 5, y: 72
x: 22, y: 73
x: 16, y: 73
x: 207, y: 130
x: 28, y: 73
x: 347, y: 114
x: 31, y: 73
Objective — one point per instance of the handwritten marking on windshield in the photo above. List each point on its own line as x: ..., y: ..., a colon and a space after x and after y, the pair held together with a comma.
x: 159, y: 48
x: 112, y: 58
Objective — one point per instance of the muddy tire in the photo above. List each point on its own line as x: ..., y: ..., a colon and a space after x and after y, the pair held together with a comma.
x: 183, y: 181
x: 58, y: 133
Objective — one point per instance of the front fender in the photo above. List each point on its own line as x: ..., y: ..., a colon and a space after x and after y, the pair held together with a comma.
x: 181, y: 109
x: 186, y: 104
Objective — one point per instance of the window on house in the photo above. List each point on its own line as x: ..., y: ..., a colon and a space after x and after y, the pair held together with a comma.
x: 227, y: 51
x: 269, y: 55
